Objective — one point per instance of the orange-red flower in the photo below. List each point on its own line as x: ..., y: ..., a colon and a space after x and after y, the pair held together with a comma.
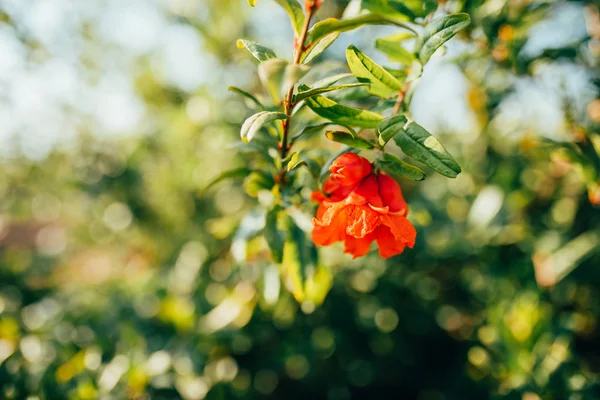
x: 358, y: 207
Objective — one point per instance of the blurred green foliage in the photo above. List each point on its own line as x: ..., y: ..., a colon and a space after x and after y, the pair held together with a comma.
x: 120, y: 276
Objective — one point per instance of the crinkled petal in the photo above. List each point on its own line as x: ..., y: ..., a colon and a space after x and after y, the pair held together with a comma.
x: 331, y: 230
x: 362, y: 220
x: 358, y: 247
x: 400, y: 228
x: 388, y: 245
x: 369, y: 190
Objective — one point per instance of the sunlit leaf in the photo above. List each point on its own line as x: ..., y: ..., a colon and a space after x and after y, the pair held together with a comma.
x: 257, y: 121
x: 438, y: 32
x: 314, y: 50
x: 381, y: 82
x: 397, y: 168
x: 349, y: 140
x: 294, y: 10
x: 330, y: 80
x: 257, y: 181
x: 419, y: 144
x: 261, y: 53
x: 272, y: 74
x: 341, y: 114
x: 395, y: 51
x: 315, y: 91
x: 330, y: 25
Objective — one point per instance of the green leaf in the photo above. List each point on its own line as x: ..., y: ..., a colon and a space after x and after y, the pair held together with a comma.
x: 299, y: 261
x: 349, y: 140
x: 438, y: 32
x: 257, y: 181
x: 294, y: 10
x: 292, y: 74
x: 307, y: 130
x: 341, y: 114
x: 397, y: 168
x: 257, y: 121
x: 401, y: 8
x: 275, y: 232
x: 325, y: 169
x: 419, y: 144
x: 330, y: 80
x: 231, y: 174
x: 314, y: 50
x: 315, y: 91
x: 331, y: 25
x: 251, y: 225
x: 252, y: 3
x: 246, y: 95
x: 395, y: 51
x: 389, y: 128
x: 382, y: 83
x: 272, y: 74
x: 261, y: 53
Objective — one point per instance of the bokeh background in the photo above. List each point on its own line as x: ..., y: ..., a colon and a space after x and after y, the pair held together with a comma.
x: 117, y: 278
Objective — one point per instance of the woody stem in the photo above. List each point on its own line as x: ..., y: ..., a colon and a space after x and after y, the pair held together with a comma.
x: 287, y: 101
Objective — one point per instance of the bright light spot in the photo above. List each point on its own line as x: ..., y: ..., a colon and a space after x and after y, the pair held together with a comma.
x: 51, y: 240
x: 158, y: 363
x: 117, y: 216
x: 386, y: 319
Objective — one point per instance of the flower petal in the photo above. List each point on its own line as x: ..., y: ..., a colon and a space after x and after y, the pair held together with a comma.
x: 358, y: 247
x: 400, y: 228
x: 362, y: 220
x: 388, y: 245
x: 391, y: 194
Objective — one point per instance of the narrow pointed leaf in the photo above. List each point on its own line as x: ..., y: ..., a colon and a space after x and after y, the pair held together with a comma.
x: 231, y: 174
x: 341, y: 114
x: 294, y: 10
x: 419, y: 144
x: 330, y: 80
x: 438, y: 32
x: 381, y: 82
x: 246, y: 95
x: 315, y: 49
x: 257, y: 121
x: 315, y: 91
x: 397, y: 168
x: 389, y: 128
x: 330, y: 25
x: 349, y: 140
x: 261, y: 53
x: 274, y: 233
x: 272, y: 75
x: 394, y: 51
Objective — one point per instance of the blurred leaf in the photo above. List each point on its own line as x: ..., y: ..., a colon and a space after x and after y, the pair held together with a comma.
x: 251, y: 225
x: 315, y: 91
x: 330, y: 80
x: 315, y: 50
x: 294, y: 10
x: 341, y: 114
x: 246, y: 94
x: 257, y: 121
x: 419, y: 144
x: 388, y: 128
x: 261, y: 53
x: 382, y: 83
x: 257, y: 181
x: 300, y: 258
x: 231, y: 174
x: 275, y: 232
x: 330, y: 25
x: 397, y: 168
x: 252, y: 3
x: 402, y: 9
x: 349, y: 140
x: 293, y: 73
x: 272, y: 74
x: 395, y: 51
x: 438, y: 32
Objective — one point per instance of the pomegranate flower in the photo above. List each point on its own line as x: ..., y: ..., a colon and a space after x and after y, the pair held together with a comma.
x: 358, y: 206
